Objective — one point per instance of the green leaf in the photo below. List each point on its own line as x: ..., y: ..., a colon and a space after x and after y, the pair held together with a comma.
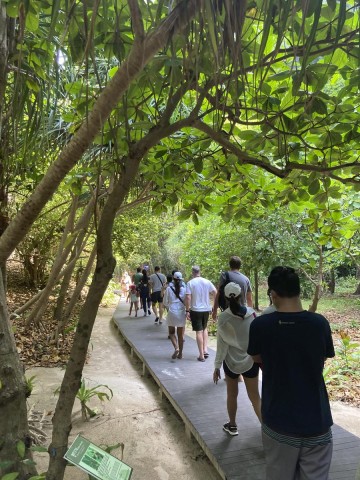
x: 20, y: 447
x: 314, y: 187
x: 32, y: 22
x: 336, y: 243
x: 198, y: 164
x: 10, y: 476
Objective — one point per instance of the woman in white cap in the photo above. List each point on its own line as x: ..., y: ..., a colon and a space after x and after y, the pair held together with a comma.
x: 174, y: 301
x: 232, y: 344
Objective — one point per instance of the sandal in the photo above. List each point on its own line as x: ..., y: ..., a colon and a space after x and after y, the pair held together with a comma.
x: 206, y: 355
x: 175, y: 354
x: 179, y: 356
x: 201, y: 359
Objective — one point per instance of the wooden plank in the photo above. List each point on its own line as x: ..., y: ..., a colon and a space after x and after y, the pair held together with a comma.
x: 201, y: 405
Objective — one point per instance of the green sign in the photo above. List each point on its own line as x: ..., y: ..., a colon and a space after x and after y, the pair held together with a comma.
x: 95, y: 461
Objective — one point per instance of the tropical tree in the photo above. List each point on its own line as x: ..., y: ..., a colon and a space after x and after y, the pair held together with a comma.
x: 241, y: 90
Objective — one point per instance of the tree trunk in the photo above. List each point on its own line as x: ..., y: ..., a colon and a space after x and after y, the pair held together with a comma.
x: 3, y: 53
x: 58, y: 312
x: 318, y: 287
x: 77, y: 291
x: 105, y: 266
x: 61, y: 257
x: 256, y: 288
x: 332, y: 282
x: 13, y: 424
x: 357, y: 291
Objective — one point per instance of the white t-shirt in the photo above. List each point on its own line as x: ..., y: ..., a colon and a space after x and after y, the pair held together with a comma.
x: 200, y: 288
x: 233, y: 340
x: 156, y: 284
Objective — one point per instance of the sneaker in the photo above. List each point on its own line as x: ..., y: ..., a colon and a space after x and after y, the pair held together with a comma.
x: 232, y: 429
x: 149, y: 312
x: 156, y: 320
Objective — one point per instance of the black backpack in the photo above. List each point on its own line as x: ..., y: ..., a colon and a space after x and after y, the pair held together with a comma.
x: 223, y: 303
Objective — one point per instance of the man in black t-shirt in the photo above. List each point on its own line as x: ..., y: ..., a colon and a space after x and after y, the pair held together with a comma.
x: 292, y: 345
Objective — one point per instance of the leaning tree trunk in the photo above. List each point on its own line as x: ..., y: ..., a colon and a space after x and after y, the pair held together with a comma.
x: 60, y: 259
x: 75, y: 295
x: 13, y: 425
x: 59, y: 309
x: 105, y: 266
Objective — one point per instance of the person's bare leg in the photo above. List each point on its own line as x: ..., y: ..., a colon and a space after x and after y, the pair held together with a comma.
x: 161, y: 312
x: 174, y: 341
x: 252, y: 388
x: 200, y: 342
x: 232, y: 387
x: 155, y: 310
x: 180, y: 335
x: 205, y: 337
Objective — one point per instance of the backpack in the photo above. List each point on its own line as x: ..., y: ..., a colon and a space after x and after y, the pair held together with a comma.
x: 222, y: 302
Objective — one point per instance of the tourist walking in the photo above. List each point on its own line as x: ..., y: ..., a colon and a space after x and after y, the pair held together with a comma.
x: 292, y: 345
x: 198, y: 307
x: 157, y: 281
x: 232, y: 275
x: 144, y: 291
x: 137, y: 276
x: 125, y: 283
x: 231, y: 353
x: 134, y: 299
x: 174, y: 301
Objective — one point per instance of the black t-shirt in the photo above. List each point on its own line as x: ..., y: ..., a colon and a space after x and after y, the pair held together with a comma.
x: 293, y: 347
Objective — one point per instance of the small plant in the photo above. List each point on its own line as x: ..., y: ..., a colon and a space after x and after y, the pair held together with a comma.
x: 29, y: 385
x: 212, y: 328
x: 85, y: 394
x: 345, y: 365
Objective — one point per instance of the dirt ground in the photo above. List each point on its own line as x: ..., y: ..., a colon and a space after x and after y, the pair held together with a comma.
x: 153, y: 435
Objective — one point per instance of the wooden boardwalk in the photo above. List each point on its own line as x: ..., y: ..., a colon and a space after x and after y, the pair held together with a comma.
x: 201, y: 404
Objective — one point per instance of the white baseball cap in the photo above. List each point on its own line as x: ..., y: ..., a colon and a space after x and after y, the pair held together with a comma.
x: 232, y: 289
x: 177, y: 276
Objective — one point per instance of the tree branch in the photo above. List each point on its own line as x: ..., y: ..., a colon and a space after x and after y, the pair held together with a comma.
x: 136, y: 20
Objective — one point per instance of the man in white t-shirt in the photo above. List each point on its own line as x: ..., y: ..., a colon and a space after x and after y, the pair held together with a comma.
x: 198, y: 308
x: 157, y: 280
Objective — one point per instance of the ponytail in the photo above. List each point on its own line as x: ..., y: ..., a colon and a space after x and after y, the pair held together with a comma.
x: 235, y: 307
x: 177, y: 285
